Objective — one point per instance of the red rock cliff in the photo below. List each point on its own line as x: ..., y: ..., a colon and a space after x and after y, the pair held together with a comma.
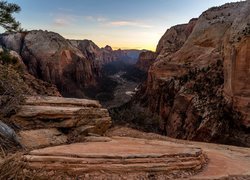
x: 146, y: 59
x: 199, y: 84
x: 50, y: 57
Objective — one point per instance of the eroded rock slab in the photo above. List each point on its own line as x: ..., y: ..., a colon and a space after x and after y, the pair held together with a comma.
x: 123, y: 155
x: 46, y: 121
x: 57, y: 112
x: 59, y: 101
x: 224, y: 162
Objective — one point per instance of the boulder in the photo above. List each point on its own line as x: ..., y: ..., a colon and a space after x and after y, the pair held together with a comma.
x: 8, y: 133
x: 8, y: 138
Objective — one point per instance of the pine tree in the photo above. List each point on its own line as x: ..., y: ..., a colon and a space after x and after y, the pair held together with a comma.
x: 7, y: 21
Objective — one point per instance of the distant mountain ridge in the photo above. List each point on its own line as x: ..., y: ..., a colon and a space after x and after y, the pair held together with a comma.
x: 106, y: 54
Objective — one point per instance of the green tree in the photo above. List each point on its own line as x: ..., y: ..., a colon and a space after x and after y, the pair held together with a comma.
x: 7, y: 21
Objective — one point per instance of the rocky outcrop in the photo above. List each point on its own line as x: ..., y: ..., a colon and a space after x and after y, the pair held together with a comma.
x: 130, y: 154
x: 51, y: 58
x: 8, y: 137
x: 46, y: 121
x: 198, y: 84
x: 146, y: 59
x: 127, y: 158
x: 174, y: 38
x: 12, y: 41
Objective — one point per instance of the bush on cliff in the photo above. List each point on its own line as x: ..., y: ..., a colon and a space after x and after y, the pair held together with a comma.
x: 12, y: 85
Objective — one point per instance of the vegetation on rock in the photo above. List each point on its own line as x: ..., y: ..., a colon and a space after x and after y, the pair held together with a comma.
x: 12, y: 86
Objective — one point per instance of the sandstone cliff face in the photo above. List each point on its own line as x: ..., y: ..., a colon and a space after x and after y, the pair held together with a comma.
x: 146, y: 59
x: 174, y: 38
x: 200, y: 81
x: 50, y: 57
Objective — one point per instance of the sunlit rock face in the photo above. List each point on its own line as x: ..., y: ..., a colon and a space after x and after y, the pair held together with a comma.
x: 199, y: 84
x: 50, y: 57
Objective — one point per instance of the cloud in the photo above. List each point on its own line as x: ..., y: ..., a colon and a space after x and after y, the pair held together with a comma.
x: 96, y: 18
x: 129, y: 23
x: 64, y: 20
x: 65, y: 9
x: 118, y: 23
x: 61, y: 22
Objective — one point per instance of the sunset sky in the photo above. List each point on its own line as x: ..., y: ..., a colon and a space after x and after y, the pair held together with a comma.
x: 122, y: 24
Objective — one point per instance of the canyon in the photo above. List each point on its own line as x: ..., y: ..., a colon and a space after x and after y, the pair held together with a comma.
x: 71, y: 65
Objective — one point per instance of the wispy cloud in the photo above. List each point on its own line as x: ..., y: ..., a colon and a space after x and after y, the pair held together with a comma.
x: 65, y: 9
x: 96, y: 18
x: 61, y: 22
x: 64, y: 20
x: 117, y: 23
x: 129, y: 23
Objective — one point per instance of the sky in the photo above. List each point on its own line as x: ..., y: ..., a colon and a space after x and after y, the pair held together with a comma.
x: 125, y: 24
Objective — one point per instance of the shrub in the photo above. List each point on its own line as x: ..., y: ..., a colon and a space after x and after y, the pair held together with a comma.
x: 12, y: 86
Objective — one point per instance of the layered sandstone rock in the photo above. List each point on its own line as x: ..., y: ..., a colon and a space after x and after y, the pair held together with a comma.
x: 126, y: 157
x: 224, y: 162
x: 199, y: 82
x: 130, y: 154
x: 55, y: 120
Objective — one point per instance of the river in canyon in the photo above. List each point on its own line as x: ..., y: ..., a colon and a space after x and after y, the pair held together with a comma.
x: 123, y: 92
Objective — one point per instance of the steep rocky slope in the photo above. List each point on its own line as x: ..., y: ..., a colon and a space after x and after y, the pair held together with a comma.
x: 145, y: 60
x: 199, y: 82
x: 50, y: 57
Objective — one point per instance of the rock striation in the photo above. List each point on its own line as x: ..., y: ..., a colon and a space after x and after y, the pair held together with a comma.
x: 127, y: 153
x: 199, y: 81
x: 45, y: 121
x: 126, y: 157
